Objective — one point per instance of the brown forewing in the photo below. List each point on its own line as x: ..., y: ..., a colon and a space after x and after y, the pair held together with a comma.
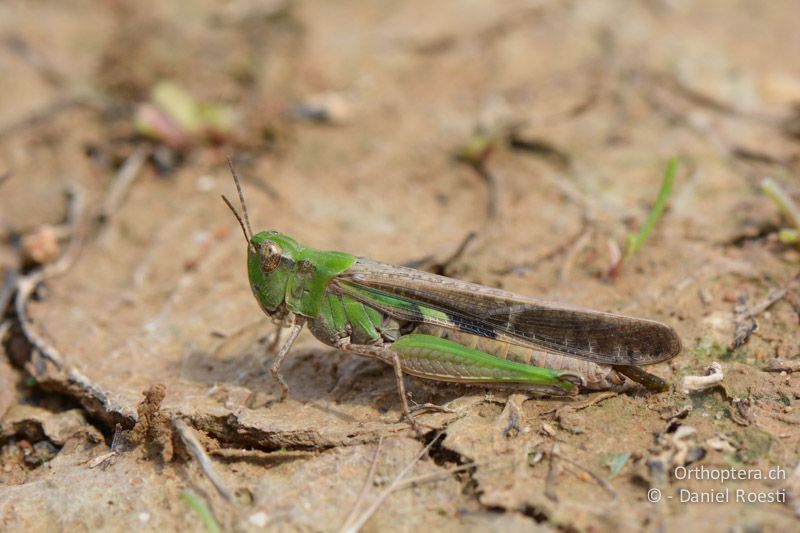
x: 592, y: 335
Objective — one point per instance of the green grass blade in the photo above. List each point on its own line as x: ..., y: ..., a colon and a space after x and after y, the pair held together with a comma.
x: 199, y: 506
x: 789, y: 236
x: 788, y: 208
x: 636, y: 242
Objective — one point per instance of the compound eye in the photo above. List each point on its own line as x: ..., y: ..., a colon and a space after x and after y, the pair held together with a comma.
x: 270, y: 256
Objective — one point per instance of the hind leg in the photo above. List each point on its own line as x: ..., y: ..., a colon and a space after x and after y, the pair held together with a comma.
x: 388, y: 356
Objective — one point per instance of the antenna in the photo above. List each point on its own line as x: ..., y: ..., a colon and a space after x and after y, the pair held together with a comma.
x: 239, y: 218
x: 241, y: 201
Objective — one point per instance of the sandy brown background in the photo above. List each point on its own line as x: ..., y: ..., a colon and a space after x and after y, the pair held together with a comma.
x: 583, y: 101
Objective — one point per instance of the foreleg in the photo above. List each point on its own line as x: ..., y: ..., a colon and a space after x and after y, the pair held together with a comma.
x: 297, y: 325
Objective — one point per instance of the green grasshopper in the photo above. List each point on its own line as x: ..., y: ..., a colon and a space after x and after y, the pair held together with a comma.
x: 441, y: 328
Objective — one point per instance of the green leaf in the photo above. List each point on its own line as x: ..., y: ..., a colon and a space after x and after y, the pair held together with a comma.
x: 789, y: 236
x: 179, y: 105
x: 615, y: 462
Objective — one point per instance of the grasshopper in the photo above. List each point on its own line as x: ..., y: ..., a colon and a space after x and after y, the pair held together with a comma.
x: 441, y: 328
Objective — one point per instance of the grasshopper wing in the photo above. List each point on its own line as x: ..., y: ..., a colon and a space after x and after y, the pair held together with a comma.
x: 415, y: 296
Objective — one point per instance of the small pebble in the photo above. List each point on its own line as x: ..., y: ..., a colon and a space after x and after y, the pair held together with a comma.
x: 40, y: 247
x: 201, y: 237
x: 258, y: 519
x: 331, y: 108
x: 705, y: 296
x: 206, y: 183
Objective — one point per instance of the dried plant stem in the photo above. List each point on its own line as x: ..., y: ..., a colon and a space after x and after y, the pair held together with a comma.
x: 362, y: 519
x: 27, y: 284
x: 195, y: 448
x: 713, y: 377
x: 367, y: 482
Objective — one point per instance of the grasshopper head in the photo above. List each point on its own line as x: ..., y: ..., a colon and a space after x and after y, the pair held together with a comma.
x: 275, y: 260
x: 270, y: 260
x: 269, y: 257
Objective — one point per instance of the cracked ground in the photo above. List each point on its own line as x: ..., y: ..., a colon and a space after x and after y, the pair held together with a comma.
x: 135, y: 390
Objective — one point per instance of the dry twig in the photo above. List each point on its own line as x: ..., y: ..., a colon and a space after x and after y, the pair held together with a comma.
x: 713, y: 377
x: 367, y: 482
x: 434, y: 476
x: 27, y: 284
x: 358, y: 523
x: 193, y: 446
x: 122, y: 182
x: 597, y: 398
x: 746, y: 323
